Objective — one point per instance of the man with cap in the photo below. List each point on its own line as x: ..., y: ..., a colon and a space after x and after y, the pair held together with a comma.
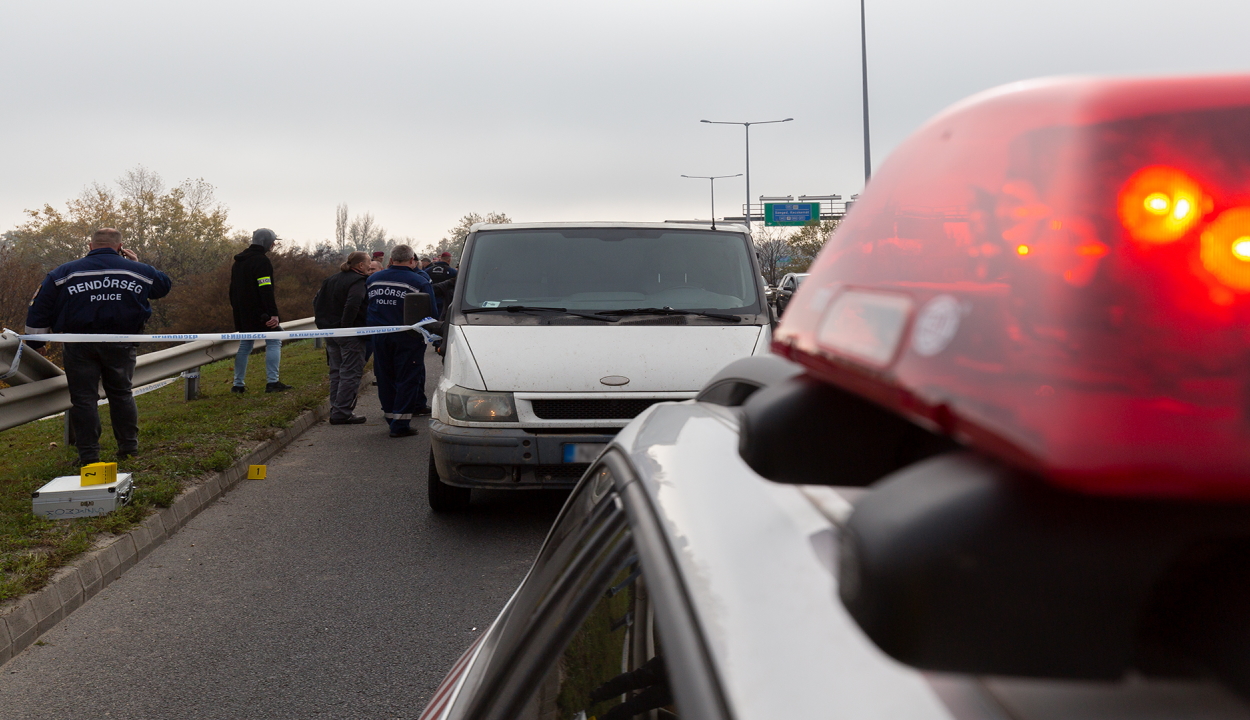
x: 255, y: 308
x: 441, y: 269
x: 399, y: 358
x: 105, y: 292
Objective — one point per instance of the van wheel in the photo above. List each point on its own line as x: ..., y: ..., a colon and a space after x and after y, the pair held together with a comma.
x: 444, y: 497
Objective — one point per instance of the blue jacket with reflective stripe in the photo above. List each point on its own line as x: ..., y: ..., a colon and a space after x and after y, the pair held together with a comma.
x: 386, y: 290
x: 100, y: 293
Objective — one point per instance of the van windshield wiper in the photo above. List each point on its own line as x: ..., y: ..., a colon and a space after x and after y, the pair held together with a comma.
x: 669, y: 311
x: 527, y: 308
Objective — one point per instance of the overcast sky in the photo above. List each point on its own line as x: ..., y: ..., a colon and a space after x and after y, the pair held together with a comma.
x: 420, y: 112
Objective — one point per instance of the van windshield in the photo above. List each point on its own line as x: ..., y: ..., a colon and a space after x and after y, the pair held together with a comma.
x: 596, y: 269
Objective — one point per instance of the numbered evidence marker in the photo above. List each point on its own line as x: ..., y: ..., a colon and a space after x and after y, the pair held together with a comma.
x: 100, y: 473
x: 256, y: 472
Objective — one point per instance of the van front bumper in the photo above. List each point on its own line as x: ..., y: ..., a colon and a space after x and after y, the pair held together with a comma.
x: 514, y: 458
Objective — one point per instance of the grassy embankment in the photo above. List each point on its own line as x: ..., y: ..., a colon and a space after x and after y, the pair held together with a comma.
x: 179, y: 442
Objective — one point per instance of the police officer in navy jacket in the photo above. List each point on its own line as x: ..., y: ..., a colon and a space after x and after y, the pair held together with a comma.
x: 398, y: 358
x: 105, y: 292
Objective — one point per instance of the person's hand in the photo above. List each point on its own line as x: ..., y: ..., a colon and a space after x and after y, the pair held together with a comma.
x: 272, y: 322
x: 41, y: 350
x: 129, y: 254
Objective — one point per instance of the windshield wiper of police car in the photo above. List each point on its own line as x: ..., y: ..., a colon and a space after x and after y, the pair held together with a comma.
x: 669, y: 311
x: 526, y: 308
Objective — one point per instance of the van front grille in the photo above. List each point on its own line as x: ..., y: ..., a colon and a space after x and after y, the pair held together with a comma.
x: 591, y: 409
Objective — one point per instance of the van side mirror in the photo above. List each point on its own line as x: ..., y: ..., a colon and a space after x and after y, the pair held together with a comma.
x: 417, y: 307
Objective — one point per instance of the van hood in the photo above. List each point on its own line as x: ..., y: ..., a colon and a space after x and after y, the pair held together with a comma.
x: 575, y: 358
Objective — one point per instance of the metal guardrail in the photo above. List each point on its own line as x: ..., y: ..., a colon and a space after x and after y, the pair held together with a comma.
x: 43, y: 390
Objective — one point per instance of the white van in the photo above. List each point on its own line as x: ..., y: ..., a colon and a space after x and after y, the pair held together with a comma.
x: 560, y: 333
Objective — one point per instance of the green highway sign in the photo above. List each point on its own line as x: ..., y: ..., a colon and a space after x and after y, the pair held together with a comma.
x: 791, y: 213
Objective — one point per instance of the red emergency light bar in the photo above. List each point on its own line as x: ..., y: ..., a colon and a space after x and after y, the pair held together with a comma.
x: 1057, y: 273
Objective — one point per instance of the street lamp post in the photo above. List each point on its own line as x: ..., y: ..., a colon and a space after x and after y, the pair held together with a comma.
x: 863, y: 48
x: 747, y: 126
x: 712, y: 181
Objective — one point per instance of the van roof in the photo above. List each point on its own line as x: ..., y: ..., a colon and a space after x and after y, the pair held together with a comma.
x: 725, y: 227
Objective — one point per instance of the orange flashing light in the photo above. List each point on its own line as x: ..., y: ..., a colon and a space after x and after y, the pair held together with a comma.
x: 1225, y: 249
x: 1160, y: 204
x: 1022, y: 249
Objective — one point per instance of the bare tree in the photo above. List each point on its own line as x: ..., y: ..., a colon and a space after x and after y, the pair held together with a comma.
x: 454, y: 244
x: 772, y: 247
x: 197, y: 196
x: 140, y: 190
x: 364, y: 233
x: 340, y: 228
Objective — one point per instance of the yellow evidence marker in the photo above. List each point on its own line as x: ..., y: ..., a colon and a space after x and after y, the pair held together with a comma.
x: 256, y: 472
x: 100, y: 473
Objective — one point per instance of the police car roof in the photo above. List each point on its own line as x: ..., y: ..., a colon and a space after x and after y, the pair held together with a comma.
x: 758, y: 560
x: 599, y: 224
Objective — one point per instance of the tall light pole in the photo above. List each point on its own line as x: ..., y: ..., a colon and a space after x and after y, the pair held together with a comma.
x: 863, y: 47
x: 712, y: 181
x: 747, y: 126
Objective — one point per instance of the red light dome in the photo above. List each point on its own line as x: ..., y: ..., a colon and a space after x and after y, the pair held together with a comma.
x: 1058, y: 273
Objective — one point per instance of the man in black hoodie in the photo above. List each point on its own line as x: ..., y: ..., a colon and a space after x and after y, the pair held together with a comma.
x: 255, y: 309
x: 340, y: 303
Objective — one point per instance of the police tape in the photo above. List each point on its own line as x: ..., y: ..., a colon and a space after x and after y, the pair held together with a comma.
x: 219, y: 337
x: 216, y: 337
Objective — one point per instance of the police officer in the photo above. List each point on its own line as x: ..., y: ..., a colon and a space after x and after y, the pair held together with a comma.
x: 105, y: 292
x: 256, y: 309
x: 398, y: 358
x: 441, y: 269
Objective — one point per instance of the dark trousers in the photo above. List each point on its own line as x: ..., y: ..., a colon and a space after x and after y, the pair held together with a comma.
x: 87, y: 367
x: 399, y: 364
x: 347, y: 363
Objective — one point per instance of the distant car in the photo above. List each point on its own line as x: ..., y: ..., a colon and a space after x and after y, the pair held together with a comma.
x: 786, y: 289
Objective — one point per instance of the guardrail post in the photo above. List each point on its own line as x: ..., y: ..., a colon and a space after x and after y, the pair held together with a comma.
x: 319, y: 343
x: 69, y: 430
x: 192, y: 386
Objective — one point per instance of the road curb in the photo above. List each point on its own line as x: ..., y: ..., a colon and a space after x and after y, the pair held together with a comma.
x: 35, y: 614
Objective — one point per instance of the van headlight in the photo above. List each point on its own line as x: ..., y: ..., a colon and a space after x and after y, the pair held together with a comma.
x: 480, y: 406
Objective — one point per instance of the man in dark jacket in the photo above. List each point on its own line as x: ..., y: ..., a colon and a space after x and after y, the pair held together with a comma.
x: 340, y: 303
x: 399, y: 358
x: 441, y: 270
x: 255, y: 309
x: 105, y: 292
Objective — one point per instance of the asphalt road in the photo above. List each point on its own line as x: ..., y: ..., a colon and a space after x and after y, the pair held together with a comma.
x: 327, y: 590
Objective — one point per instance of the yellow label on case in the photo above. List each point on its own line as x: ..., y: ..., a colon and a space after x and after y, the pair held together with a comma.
x: 100, y: 473
x: 256, y: 472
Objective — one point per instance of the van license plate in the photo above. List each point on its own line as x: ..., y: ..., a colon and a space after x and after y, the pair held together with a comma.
x: 582, y: 452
